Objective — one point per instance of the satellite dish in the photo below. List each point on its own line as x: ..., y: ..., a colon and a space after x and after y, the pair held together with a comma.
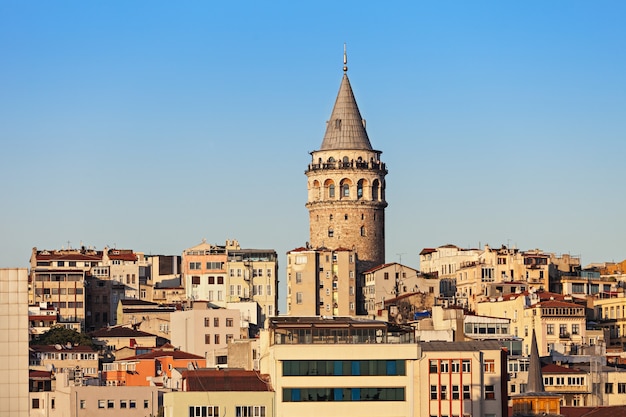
x: 49, y: 367
x: 190, y: 366
x: 58, y: 347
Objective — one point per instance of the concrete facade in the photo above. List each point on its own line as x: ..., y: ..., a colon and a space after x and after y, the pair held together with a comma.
x: 14, y: 342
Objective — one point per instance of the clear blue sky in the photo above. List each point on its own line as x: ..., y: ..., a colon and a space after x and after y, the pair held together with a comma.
x: 151, y: 125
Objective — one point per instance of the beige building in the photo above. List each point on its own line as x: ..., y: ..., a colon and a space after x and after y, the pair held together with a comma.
x: 14, y: 342
x: 462, y: 378
x: 338, y: 366
x: 223, y: 392
x: 322, y: 282
x: 610, y: 312
x: 559, y: 323
x: 145, y: 316
x: 79, y: 361
x: 346, y: 185
x: 479, y: 275
x: 66, y: 400
x: 58, y: 277
x: 205, y: 331
x: 389, y: 281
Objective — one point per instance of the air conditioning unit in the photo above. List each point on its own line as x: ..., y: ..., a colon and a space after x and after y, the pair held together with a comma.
x: 46, y: 296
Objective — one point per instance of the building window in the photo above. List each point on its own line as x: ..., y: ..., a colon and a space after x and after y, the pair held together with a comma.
x: 216, y: 322
x: 433, y: 392
x: 331, y: 191
x: 207, y: 339
x: 211, y: 280
x: 216, y: 339
x: 346, y: 190
x: 575, y: 328
x: 621, y: 388
x: 298, y: 277
x: 466, y: 392
x: 146, y: 404
x: 490, y: 393
x: 444, y: 392
x: 331, y: 233
x: 35, y: 403
x: 608, y: 388
x: 204, y: 411
x: 455, y: 392
x: 229, y: 322
x: 101, y: 404
x: 195, y: 280
x: 550, y: 329
x: 123, y: 404
x: 192, y: 265
x: 220, y: 280
x: 466, y: 365
x: 298, y: 298
x: 250, y: 411
x: 83, y: 404
x: 490, y: 366
x: 362, y: 230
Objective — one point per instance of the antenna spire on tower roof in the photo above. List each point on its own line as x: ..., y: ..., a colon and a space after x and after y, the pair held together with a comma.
x: 345, y: 58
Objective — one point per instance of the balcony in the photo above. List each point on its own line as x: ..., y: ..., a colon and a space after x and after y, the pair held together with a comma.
x: 565, y: 335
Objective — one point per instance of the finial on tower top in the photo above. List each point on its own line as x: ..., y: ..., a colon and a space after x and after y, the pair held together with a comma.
x: 345, y: 59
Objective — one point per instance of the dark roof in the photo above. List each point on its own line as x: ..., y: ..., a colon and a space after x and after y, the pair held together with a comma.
x: 345, y: 128
x: 226, y: 380
x: 136, y: 302
x: 120, y: 331
x: 460, y: 346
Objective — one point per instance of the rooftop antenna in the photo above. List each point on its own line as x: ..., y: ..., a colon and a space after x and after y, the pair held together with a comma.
x: 400, y: 256
x: 345, y: 58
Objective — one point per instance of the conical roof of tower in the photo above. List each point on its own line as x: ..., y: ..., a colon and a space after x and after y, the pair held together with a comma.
x: 346, y: 128
x: 535, y: 377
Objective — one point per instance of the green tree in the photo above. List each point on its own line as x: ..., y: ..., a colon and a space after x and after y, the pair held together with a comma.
x: 61, y: 335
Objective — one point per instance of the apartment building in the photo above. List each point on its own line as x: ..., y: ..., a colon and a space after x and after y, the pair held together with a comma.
x: 462, y: 378
x: 560, y: 324
x: 80, y: 362
x: 204, y: 272
x: 58, y: 277
x: 390, y: 281
x: 146, y: 316
x: 322, y: 282
x: 206, y: 330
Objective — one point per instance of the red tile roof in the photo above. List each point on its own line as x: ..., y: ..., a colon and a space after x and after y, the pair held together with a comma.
x: 54, y: 348
x: 557, y: 369
x: 226, y: 380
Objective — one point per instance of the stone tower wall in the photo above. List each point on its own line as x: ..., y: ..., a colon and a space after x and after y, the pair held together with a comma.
x: 346, y: 195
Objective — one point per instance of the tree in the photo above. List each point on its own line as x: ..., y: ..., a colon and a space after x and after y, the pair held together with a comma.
x: 60, y: 335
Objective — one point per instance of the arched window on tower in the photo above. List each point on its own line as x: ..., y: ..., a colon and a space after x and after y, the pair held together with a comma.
x: 359, y: 189
x: 331, y: 191
x: 346, y: 162
x: 362, y: 230
x: 345, y: 190
x: 375, y: 188
x: 331, y: 233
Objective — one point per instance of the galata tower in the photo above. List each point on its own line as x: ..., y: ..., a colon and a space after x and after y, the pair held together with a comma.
x: 346, y: 185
